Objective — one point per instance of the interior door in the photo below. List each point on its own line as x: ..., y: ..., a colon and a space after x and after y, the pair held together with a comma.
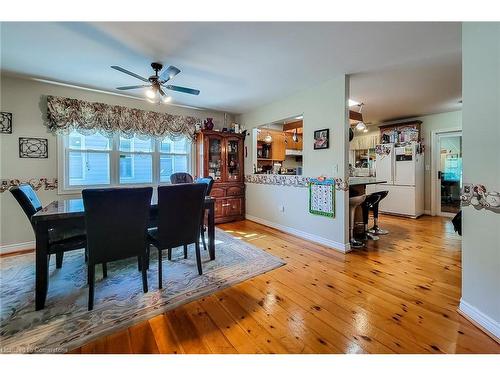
x: 449, y: 175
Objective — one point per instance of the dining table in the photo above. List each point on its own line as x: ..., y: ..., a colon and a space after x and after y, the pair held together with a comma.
x: 70, y: 211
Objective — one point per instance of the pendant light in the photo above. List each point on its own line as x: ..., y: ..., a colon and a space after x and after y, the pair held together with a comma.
x: 295, y: 136
x: 268, y: 138
x: 360, y: 126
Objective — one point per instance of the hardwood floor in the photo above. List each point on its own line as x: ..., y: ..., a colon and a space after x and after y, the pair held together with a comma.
x: 399, y: 295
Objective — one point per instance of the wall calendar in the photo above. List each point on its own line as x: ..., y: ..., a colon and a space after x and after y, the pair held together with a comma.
x: 322, y: 197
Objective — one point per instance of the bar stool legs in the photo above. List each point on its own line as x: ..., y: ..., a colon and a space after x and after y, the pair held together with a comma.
x: 368, y: 204
x: 375, y: 229
x: 353, y: 203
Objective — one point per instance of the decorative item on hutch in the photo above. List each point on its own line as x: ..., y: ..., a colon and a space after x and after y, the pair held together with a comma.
x: 208, y: 123
x: 220, y: 156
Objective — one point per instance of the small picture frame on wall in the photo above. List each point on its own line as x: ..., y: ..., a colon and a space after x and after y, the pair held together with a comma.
x: 33, y: 148
x: 5, y: 122
x: 321, y: 139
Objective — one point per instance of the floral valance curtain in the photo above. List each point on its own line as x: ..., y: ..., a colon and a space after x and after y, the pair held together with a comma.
x: 65, y: 115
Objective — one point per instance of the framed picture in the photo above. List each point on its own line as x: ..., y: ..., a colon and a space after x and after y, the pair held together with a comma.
x: 321, y: 139
x: 6, y: 122
x: 34, y: 148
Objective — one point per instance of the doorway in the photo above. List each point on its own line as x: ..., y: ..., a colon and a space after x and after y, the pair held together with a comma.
x: 448, y: 167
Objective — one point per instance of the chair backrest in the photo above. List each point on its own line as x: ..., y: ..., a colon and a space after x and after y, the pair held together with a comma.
x: 180, y: 209
x: 116, y: 221
x: 209, y: 181
x: 181, y: 178
x: 27, y: 199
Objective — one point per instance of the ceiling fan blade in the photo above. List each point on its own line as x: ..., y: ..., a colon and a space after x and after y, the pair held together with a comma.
x: 182, y: 89
x: 120, y: 69
x: 132, y: 87
x: 169, y: 73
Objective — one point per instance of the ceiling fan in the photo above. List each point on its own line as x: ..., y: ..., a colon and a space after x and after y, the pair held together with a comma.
x: 156, y: 83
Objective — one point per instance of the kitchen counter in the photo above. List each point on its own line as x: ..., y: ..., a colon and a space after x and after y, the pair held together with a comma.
x: 359, y: 181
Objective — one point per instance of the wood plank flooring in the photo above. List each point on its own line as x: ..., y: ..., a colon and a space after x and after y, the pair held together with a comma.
x: 399, y: 295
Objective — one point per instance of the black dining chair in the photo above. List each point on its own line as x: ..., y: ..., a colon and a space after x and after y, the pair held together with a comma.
x: 180, y: 209
x: 116, y: 221
x: 66, y: 237
x: 181, y: 178
x: 209, y: 181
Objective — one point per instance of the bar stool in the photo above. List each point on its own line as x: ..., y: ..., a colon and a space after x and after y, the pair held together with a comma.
x: 354, y: 202
x: 375, y: 229
x: 369, y: 203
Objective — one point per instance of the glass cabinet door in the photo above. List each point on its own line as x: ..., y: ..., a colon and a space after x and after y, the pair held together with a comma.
x: 233, y: 160
x: 215, y: 158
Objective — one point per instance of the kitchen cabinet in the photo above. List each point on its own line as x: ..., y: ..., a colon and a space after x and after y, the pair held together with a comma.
x: 278, y: 146
x: 220, y: 155
x: 291, y: 144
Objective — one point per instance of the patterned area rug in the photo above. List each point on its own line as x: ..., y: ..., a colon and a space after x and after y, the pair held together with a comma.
x: 66, y: 324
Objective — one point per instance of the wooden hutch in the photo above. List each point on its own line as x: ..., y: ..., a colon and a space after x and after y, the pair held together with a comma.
x: 220, y: 155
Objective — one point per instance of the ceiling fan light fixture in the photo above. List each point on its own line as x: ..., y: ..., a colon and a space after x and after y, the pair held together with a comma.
x: 166, y: 99
x: 151, y: 94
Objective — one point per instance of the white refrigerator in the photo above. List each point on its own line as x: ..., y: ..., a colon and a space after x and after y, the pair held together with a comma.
x: 402, y: 167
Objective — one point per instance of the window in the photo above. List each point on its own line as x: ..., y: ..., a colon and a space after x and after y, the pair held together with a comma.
x: 95, y: 160
x: 174, y: 157
x: 88, y: 160
x: 136, y: 160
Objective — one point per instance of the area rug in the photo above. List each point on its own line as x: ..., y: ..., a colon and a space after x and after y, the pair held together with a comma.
x: 65, y: 323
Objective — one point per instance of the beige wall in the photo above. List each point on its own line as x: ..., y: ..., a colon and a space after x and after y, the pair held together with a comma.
x: 481, y: 165
x: 26, y: 99
x: 323, y: 106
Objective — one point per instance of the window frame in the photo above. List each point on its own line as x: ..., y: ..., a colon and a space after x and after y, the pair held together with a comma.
x: 114, y: 165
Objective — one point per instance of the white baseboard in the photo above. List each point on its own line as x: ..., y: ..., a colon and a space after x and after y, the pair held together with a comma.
x: 338, y: 246
x: 488, y: 324
x: 427, y: 212
x: 5, y: 249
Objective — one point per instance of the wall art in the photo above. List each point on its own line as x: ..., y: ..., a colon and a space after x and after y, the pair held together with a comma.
x: 321, y: 139
x: 322, y: 197
x: 35, y: 148
x: 5, y: 122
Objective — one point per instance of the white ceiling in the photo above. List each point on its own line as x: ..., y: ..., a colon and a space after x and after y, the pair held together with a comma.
x: 399, y: 69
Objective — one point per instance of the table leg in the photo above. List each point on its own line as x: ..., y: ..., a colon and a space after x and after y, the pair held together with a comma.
x: 42, y: 265
x: 211, y: 230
